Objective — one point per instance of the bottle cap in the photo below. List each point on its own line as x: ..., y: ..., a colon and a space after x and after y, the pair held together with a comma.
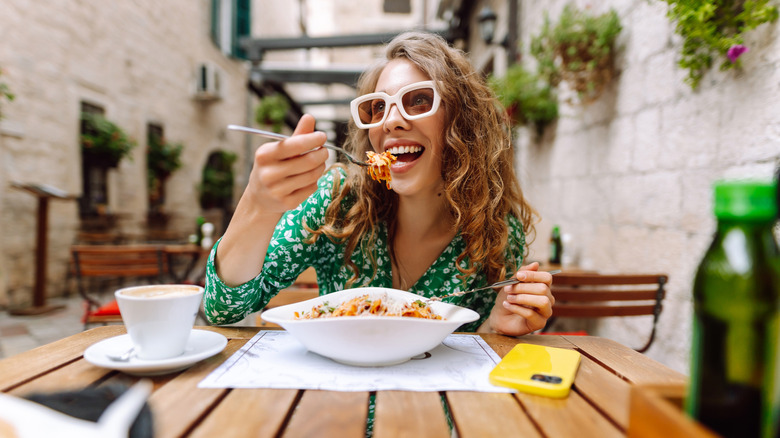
x: 745, y: 200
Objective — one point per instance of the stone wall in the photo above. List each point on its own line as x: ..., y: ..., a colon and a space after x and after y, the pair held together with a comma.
x: 629, y: 177
x: 137, y: 59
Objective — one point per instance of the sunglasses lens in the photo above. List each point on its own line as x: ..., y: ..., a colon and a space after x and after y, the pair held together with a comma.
x: 371, y: 111
x: 418, y: 102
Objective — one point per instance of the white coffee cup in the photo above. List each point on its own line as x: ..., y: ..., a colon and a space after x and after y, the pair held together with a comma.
x: 159, y: 317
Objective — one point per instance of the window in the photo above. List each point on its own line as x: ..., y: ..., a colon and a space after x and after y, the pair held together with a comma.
x: 230, y: 21
x: 156, y: 193
x: 94, y: 199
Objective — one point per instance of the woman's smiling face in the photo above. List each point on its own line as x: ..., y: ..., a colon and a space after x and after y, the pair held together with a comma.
x: 417, y: 143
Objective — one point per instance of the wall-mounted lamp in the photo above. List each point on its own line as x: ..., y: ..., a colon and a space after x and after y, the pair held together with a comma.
x: 487, y: 24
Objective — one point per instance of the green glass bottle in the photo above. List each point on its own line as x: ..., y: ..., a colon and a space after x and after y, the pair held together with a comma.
x: 556, y: 246
x: 736, y: 292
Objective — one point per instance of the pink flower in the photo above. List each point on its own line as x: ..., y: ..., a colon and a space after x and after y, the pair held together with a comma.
x: 735, y: 51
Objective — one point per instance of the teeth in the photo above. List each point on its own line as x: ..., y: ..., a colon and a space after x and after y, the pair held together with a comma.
x: 404, y: 150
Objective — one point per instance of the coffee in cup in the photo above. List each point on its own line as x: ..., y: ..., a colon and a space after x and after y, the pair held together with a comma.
x: 159, y: 317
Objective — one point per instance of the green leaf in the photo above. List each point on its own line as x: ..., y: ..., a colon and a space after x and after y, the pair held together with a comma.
x: 710, y: 27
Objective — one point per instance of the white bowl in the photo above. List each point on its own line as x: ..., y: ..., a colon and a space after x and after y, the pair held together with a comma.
x: 369, y: 340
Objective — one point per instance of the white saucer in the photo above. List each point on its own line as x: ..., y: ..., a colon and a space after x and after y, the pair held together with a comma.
x: 201, y: 345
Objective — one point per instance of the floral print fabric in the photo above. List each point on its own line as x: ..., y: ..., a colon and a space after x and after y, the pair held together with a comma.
x: 288, y: 255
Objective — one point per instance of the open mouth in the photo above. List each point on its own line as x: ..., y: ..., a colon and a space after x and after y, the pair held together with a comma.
x: 407, y: 154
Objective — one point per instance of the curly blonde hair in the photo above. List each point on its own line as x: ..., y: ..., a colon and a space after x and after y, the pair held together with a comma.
x: 480, y: 186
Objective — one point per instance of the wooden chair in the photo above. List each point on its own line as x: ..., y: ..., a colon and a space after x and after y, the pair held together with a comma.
x: 304, y: 288
x: 598, y: 296
x: 125, y: 263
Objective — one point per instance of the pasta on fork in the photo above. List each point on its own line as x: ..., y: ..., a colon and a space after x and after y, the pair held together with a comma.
x: 379, y: 166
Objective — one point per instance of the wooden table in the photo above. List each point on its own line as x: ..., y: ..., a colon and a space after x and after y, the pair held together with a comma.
x: 194, y: 256
x: 598, y: 405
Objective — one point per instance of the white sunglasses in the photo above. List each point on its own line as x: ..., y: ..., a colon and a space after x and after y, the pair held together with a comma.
x: 413, y: 101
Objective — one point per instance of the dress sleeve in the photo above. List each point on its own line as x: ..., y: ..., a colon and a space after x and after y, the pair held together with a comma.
x: 288, y: 255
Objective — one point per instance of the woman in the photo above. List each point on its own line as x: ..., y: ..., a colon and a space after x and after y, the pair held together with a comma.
x: 454, y: 218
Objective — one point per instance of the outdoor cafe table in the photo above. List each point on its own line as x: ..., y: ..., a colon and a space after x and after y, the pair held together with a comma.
x: 598, y: 405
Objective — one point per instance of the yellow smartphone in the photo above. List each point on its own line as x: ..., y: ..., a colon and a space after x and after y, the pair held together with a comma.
x: 537, y: 369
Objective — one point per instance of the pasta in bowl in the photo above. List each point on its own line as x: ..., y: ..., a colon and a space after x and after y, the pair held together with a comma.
x: 370, y: 337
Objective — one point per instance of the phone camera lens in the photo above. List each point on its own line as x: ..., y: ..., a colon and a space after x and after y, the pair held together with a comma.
x: 546, y: 378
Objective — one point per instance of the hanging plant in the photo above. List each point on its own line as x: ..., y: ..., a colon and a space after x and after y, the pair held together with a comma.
x: 216, y: 188
x: 528, y: 98
x: 162, y: 159
x: 715, y: 29
x: 271, y: 111
x: 5, y: 94
x: 103, y: 143
x: 578, y: 49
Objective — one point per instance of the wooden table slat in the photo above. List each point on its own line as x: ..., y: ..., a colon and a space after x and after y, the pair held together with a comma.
x: 409, y: 414
x: 72, y: 377
x: 472, y: 413
x: 502, y: 344
x: 627, y: 363
x: 572, y: 416
x: 258, y: 413
x: 179, y: 403
x: 25, y: 366
x: 344, y: 417
x: 604, y: 389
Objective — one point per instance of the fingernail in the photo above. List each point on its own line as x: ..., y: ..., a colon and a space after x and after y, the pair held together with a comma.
x: 522, y: 275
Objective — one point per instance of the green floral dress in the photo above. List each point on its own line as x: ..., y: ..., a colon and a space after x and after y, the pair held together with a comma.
x: 288, y: 255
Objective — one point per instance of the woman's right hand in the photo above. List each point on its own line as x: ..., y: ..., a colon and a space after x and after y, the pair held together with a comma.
x: 285, y: 173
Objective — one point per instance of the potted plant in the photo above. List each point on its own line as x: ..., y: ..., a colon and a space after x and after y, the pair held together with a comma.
x: 716, y: 28
x: 162, y: 159
x: 527, y: 97
x: 578, y: 49
x: 103, y: 143
x: 216, y: 188
x: 271, y: 111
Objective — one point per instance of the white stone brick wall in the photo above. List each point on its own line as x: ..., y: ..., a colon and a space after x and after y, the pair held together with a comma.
x: 630, y: 176
x: 137, y: 59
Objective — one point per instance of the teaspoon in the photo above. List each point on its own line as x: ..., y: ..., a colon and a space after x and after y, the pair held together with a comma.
x: 124, y: 357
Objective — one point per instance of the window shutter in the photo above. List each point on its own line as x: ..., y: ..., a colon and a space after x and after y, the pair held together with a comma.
x: 215, y: 22
x: 242, y: 24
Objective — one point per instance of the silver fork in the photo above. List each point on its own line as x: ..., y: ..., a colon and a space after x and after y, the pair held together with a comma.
x: 496, y: 285
x: 275, y: 136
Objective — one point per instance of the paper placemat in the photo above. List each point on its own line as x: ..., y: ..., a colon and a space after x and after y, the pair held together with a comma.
x: 275, y: 359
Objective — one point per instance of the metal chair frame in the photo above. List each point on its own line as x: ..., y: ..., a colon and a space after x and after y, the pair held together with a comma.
x: 591, y: 295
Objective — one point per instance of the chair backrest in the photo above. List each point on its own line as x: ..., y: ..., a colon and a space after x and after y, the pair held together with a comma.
x: 117, y: 261
x: 597, y: 296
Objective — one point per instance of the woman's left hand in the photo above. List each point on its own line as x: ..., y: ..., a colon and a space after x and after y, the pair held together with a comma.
x: 524, y: 307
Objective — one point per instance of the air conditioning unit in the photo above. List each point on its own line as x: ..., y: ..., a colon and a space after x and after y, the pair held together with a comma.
x: 208, y: 82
